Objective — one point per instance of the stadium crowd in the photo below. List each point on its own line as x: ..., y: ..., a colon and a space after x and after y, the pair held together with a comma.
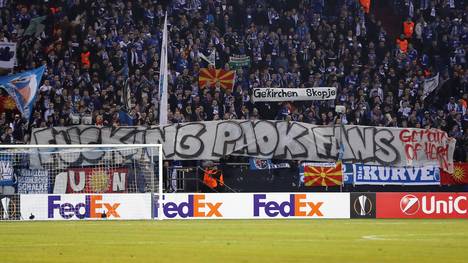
x: 92, y: 47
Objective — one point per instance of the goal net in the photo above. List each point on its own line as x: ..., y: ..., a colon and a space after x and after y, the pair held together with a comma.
x: 77, y: 169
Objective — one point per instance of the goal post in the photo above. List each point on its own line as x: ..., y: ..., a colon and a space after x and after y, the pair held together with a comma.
x: 60, y: 169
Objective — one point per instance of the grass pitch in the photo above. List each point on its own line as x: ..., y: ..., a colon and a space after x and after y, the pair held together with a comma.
x: 236, y: 241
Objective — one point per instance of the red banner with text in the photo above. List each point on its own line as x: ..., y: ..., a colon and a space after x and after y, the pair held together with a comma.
x: 422, y: 205
x: 97, y: 180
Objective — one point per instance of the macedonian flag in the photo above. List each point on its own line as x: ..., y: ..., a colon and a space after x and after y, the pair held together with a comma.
x: 459, y: 175
x: 209, y: 78
x: 322, y: 174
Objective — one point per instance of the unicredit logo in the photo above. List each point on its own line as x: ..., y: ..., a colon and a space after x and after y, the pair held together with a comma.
x: 409, y: 204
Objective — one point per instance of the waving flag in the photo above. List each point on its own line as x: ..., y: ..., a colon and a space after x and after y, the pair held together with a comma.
x: 209, y: 77
x: 36, y: 26
x: 124, y: 113
x: 126, y: 96
x: 163, y: 78
x: 430, y: 85
x: 211, y: 59
x: 459, y: 175
x: 321, y: 174
x: 23, y: 87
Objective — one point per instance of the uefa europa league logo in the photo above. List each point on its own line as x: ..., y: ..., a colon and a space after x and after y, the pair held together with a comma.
x: 6, y: 205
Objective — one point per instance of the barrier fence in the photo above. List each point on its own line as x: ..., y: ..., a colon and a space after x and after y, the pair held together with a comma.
x: 233, y: 206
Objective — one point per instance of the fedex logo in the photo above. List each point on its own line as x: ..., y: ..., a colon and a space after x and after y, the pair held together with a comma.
x: 297, y: 205
x: 195, y: 206
x: 93, y: 207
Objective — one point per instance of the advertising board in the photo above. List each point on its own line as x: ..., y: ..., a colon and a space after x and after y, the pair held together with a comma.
x: 359, y: 174
x: 362, y: 205
x: 253, y: 205
x: 85, y: 206
x: 422, y: 205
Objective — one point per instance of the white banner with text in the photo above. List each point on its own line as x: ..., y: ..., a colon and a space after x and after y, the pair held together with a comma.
x: 213, y: 140
x: 299, y: 94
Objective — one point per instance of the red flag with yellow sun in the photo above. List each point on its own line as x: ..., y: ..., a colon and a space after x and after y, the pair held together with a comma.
x: 208, y: 77
x: 321, y: 174
x: 459, y: 175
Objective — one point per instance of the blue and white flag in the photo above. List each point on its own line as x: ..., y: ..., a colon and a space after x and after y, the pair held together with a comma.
x: 430, y: 84
x: 23, y: 88
x: 262, y: 164
x: 6, y: 171
x: 163, y: 78
x: 7, y: 55
x: 348, y: 173
x: 385, y: 175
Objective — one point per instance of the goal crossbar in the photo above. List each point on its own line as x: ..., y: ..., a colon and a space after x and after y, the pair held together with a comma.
x: 90, y: 146
x: 23, y: 146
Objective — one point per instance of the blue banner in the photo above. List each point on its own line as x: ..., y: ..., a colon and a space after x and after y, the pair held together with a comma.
x: 384, y: 175
x: 7, y: 176
x: 33, y: 181
x: 125, y: 119
x: 261, y: 164
x: 23, y: 88
x: 348, y: 172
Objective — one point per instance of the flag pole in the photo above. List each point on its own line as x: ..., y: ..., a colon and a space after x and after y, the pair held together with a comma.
x: 163, y: 77
x: 162, y: 112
